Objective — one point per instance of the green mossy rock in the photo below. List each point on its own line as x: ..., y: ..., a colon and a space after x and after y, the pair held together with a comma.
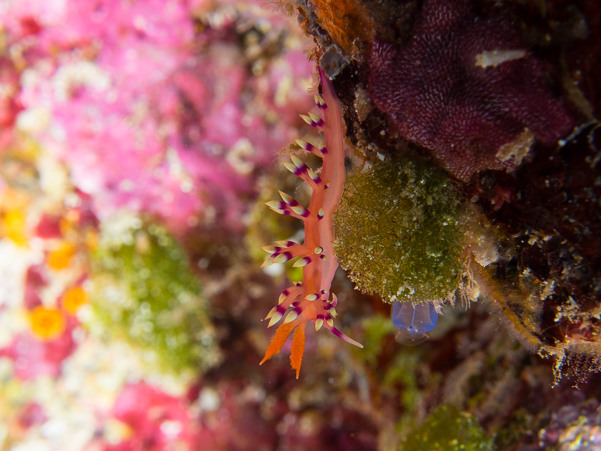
x: 448, y: 429
x: 399, y: 232
x: 145, y: 291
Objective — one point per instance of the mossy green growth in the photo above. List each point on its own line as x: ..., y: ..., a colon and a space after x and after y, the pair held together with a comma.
x: 448, y: 429
x: 375, y: 329
x: 144, y: 290
x: 399, y: 231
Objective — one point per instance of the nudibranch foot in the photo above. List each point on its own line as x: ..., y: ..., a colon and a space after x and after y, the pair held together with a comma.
x: 309, y: 301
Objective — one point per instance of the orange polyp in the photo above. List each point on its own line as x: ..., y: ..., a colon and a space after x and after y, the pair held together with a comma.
x: 61, y: 257
x: 74, y: 298
x: 47, y: 323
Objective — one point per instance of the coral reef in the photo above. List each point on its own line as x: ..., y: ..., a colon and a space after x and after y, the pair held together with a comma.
x: 488, y: 91
x: 490, y: 101
x: 552, y: 261
x: 189, y: 102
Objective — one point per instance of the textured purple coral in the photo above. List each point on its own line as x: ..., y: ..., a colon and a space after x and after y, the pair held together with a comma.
x: 440, y: 98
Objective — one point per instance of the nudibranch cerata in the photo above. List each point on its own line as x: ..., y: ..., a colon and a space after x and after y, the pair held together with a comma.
x: 310, y: 300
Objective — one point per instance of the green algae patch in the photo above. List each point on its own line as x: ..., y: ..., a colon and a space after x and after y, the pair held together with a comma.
x: 144, y: 291
x: 375, y: 329
x: 399, y: 231
x: 448, y: 429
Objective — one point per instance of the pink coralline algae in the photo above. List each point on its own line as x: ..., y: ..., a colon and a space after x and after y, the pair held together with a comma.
x: 148, y: 114
x: 466, y: 88
x: 33, y: 357
x: 157, y: 420
x: 10, y: 106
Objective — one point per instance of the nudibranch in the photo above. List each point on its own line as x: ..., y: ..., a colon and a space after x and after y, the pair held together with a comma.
x: 310, y: 300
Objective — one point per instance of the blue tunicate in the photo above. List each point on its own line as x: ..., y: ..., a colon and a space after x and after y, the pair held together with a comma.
x: 413, y: 321
x: 414, y: 318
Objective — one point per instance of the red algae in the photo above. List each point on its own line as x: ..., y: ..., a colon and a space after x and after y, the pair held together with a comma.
x: 466, y: 88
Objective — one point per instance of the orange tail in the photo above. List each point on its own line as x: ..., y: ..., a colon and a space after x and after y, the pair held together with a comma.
x: 298, y: 348
x: 278, y: 340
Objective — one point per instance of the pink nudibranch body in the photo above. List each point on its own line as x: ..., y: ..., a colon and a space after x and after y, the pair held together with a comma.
x: 310, y: 300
